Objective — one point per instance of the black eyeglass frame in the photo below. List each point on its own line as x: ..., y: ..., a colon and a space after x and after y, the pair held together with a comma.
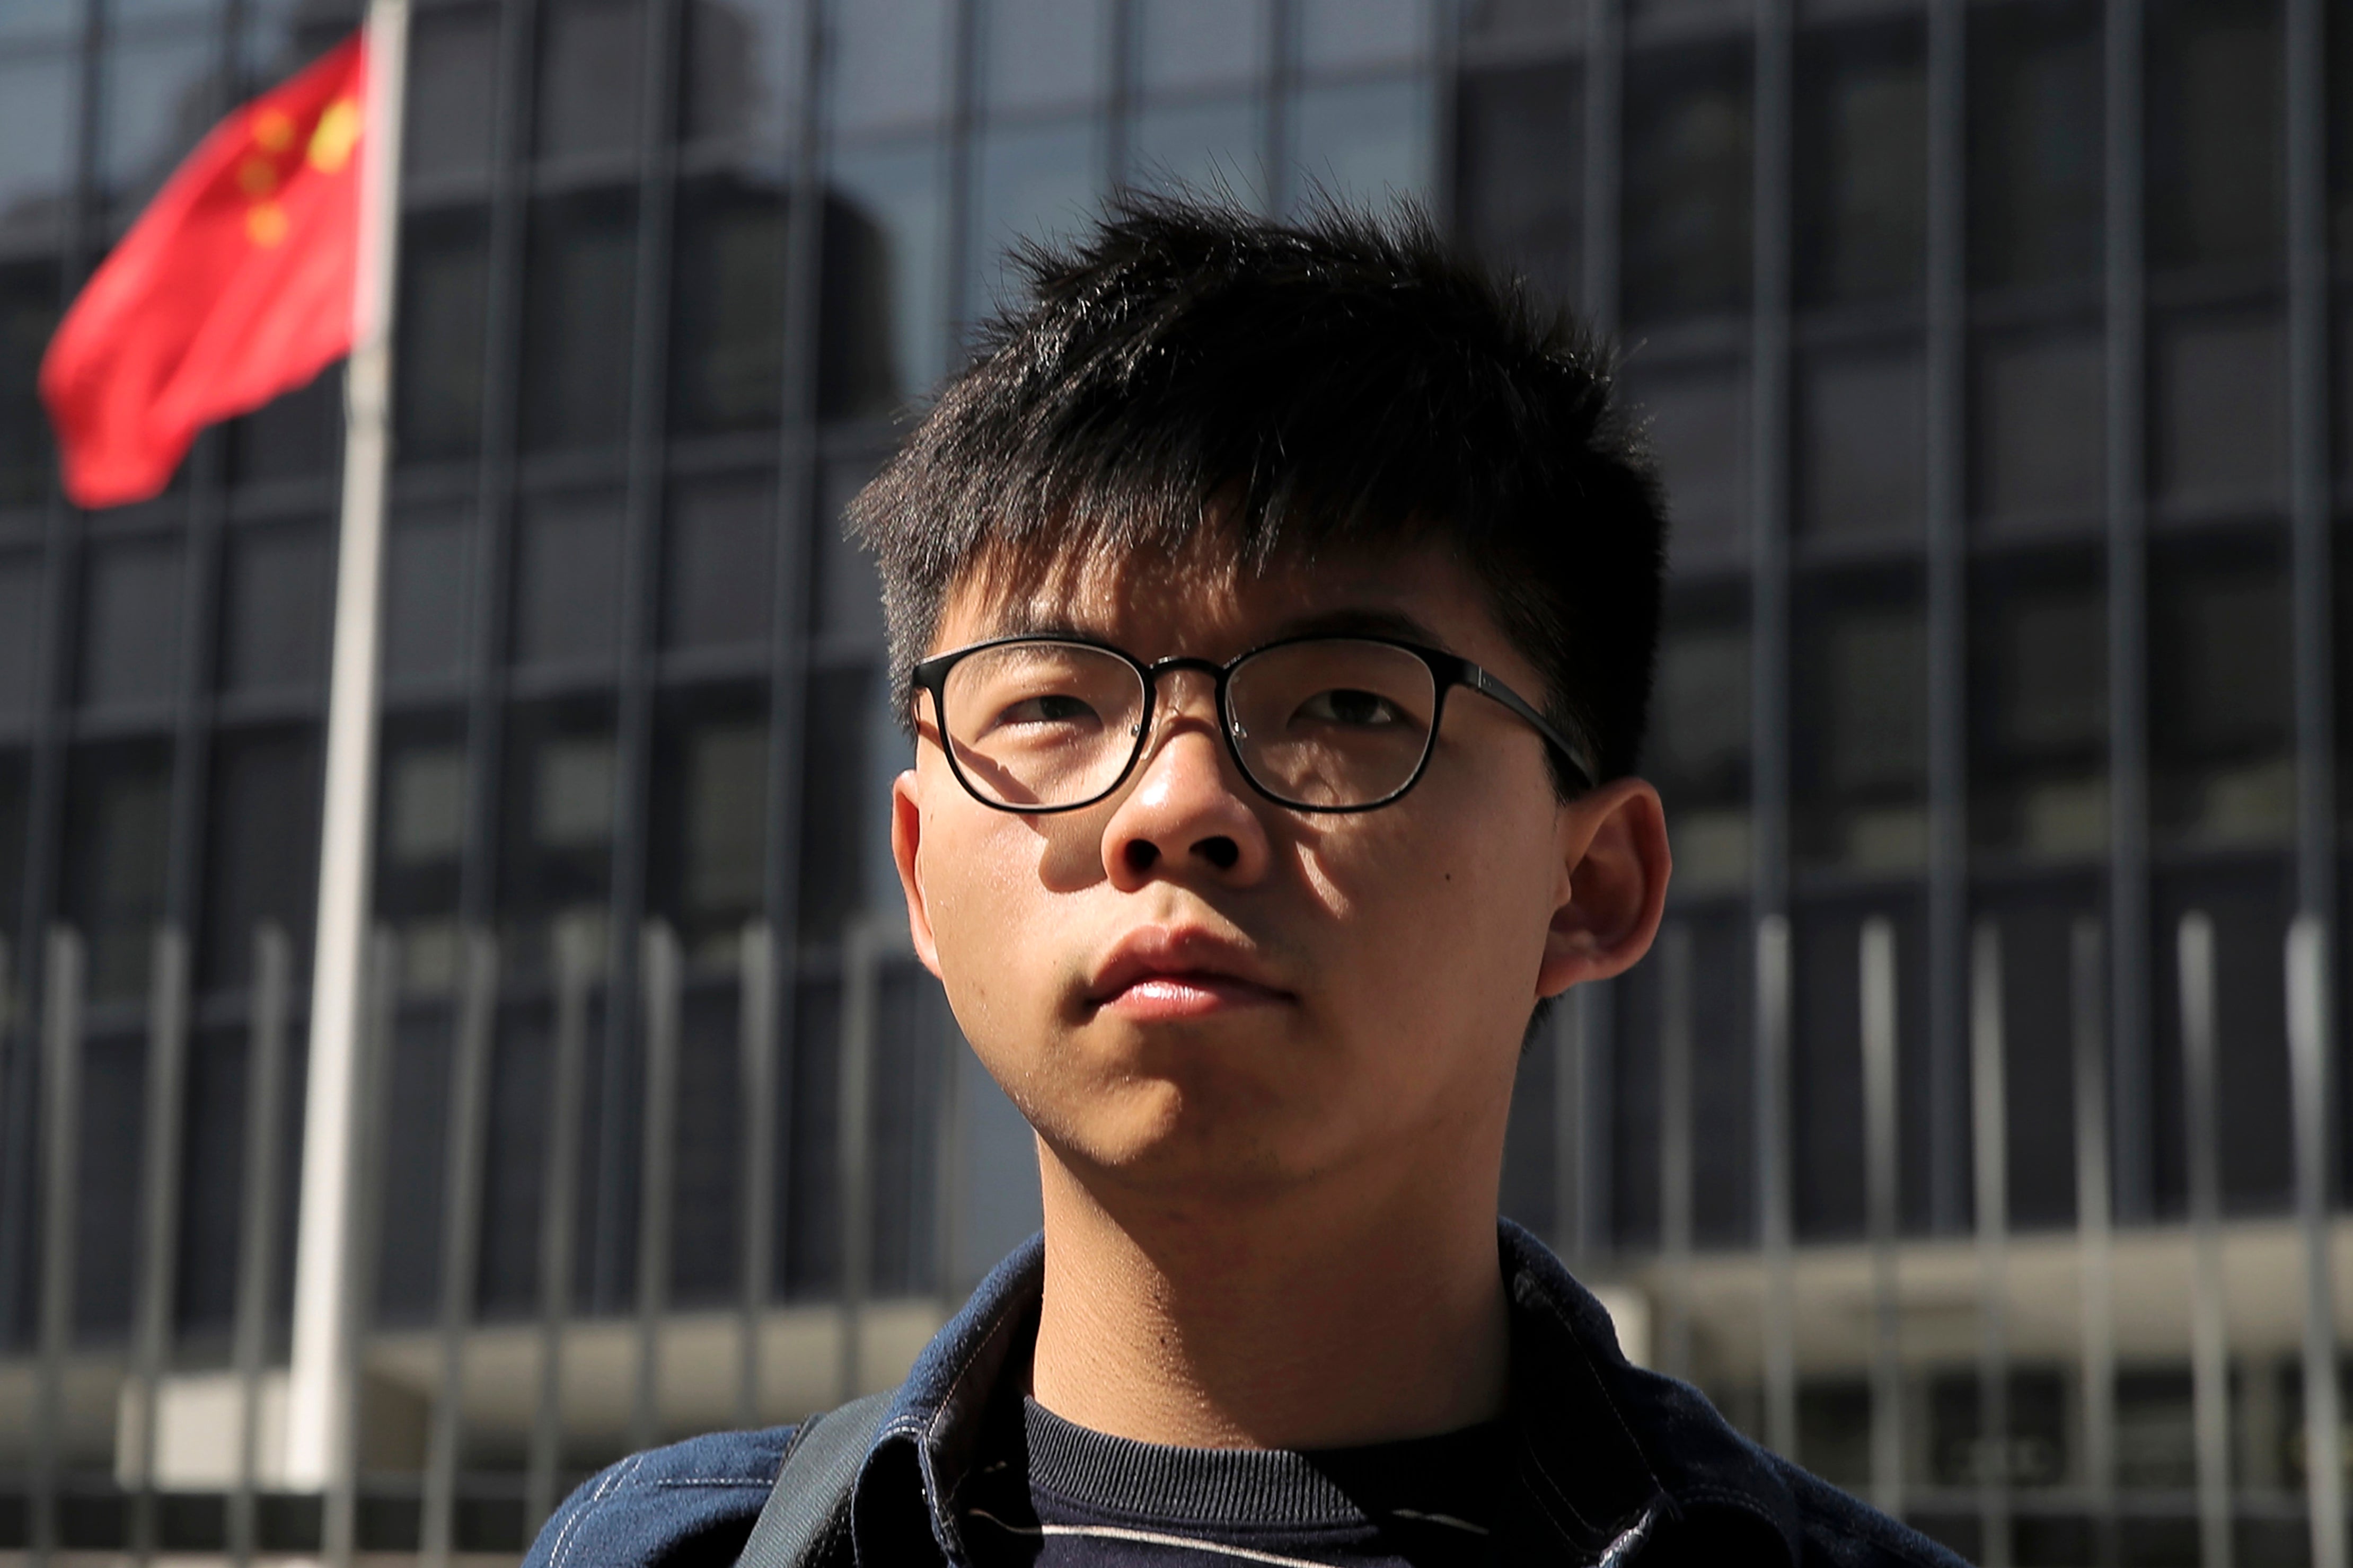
x: 1447, y: 671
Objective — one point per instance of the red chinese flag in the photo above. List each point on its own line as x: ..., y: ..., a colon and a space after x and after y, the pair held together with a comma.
x: 235, y: 285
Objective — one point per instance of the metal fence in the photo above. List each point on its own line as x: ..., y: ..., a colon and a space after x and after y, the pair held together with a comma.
x: 460, y: 1428
x: 462, y: 1431
x: 1782, y: 1321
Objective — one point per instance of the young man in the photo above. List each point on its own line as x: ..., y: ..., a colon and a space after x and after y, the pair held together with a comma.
x: 1273, y: 608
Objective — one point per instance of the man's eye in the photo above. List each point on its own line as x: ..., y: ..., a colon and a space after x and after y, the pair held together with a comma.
x: 1344, y: 706
x: 1052, y: 708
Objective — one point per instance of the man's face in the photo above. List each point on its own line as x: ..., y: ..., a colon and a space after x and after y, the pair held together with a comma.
x: 1190, y: 989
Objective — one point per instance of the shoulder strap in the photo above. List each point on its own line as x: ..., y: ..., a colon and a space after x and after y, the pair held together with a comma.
x: 812, y: 1490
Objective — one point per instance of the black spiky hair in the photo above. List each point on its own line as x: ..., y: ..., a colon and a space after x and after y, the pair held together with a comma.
x: 1336, y: 381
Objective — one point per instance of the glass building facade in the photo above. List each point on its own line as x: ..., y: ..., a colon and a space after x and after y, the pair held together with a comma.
x: 1999, y: 354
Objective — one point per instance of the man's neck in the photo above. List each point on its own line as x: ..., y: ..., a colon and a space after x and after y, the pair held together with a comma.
x: 1310, y: 1319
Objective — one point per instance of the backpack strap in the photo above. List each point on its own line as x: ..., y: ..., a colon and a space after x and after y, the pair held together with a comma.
x: 812, y: 1498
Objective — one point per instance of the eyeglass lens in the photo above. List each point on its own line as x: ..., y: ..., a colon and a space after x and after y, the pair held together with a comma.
x: 1329, y: 722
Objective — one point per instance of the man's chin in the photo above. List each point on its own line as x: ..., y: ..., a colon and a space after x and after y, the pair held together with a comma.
x: 1191, y: 1144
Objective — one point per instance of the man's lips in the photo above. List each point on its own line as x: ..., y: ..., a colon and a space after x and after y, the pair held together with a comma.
x: 1164, y: 973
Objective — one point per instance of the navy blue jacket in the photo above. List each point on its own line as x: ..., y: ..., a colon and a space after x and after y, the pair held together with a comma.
x: 1623, y: 1467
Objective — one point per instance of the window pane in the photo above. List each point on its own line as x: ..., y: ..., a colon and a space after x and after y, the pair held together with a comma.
x: 1036, y: 183
x: 592, y: 71
x: 889, y: 62
x: 161, y: 95
x: 277, y: 608
x: 1863, y: 429
x: 2034, y: 144
x: 720, y: 578
x: 1367, y: 143
x: 28, y: 314
x: 1697, y: 420
x: 567, y: 594
x: 1862, y: 165
x: 744, y: 71
x: 131, y: 623
x: 2042, y: 412
x: 1521, y: 188
x: 849, y: 590
x: 36, y: 140
x: 1208, y: 147
x: 884, y: 325
x: 1527, y: 23
x: 40, y: 18
x: 2216, y: 179
x: 453, y: 73
x: 16, y: 805
x: 264, y: 855
x: 420, y: 836
x: 2340, y: 137
x: 1686, y: 184
x: 424, y: 804
x: 1861, y: 750
x: 281, y: 37
x: 118, y: 843
x: 2039, y: 707
x: 711, y: 821
x: 853, y: 750
x: 445, y: 297
x: 2220, y: 709
x: 558, y: 805
x: 428, y: 598
x: 2222, y: 412
x: 577, y: 314
x: 297, y: 435
x: 20, y: 635
x: 1189, y: 44
x: 1340, y: 35
x: 1699, y: 744
x: 119, y: 12
x: 1041, y: 54
x: 729, y: 354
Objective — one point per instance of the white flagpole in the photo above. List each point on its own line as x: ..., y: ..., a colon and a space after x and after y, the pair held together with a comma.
x: 323, y: 1258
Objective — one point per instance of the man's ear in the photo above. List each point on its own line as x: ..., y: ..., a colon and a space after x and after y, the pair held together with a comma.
x: 906, y: 839
x: 1613, y: 885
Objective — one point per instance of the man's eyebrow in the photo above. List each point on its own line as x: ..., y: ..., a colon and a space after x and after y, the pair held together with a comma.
x: 1023, y: 621
x: 1359, y: 622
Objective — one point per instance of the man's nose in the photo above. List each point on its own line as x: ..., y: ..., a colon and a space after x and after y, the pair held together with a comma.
x: 1189, y: 810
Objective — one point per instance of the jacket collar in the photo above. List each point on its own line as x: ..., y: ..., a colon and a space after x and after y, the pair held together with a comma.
x: 1610, y: 1453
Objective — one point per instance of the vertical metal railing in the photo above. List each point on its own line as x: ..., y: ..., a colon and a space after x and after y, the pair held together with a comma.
x: 2311, y: 1083
x: 2210, y: 1345
x: 1989, y: 1148
x: 60, y: 1156
x: 863, y: 952
x: 159, y: 1224
x: 576, y: 959
x: 2095, y: 1210
x: 757, y: 1004
x: 256, y: 1237
x: 658, y: 1168
x: 1675, y: 1193
x: 362, y: 1209
x: 1881, y: 1209
x: 461, y: 1204
x: 1581, y: 1117
x: 1773, y: 1180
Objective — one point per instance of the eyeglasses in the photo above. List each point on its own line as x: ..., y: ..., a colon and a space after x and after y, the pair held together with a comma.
x: 1039, y: 724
